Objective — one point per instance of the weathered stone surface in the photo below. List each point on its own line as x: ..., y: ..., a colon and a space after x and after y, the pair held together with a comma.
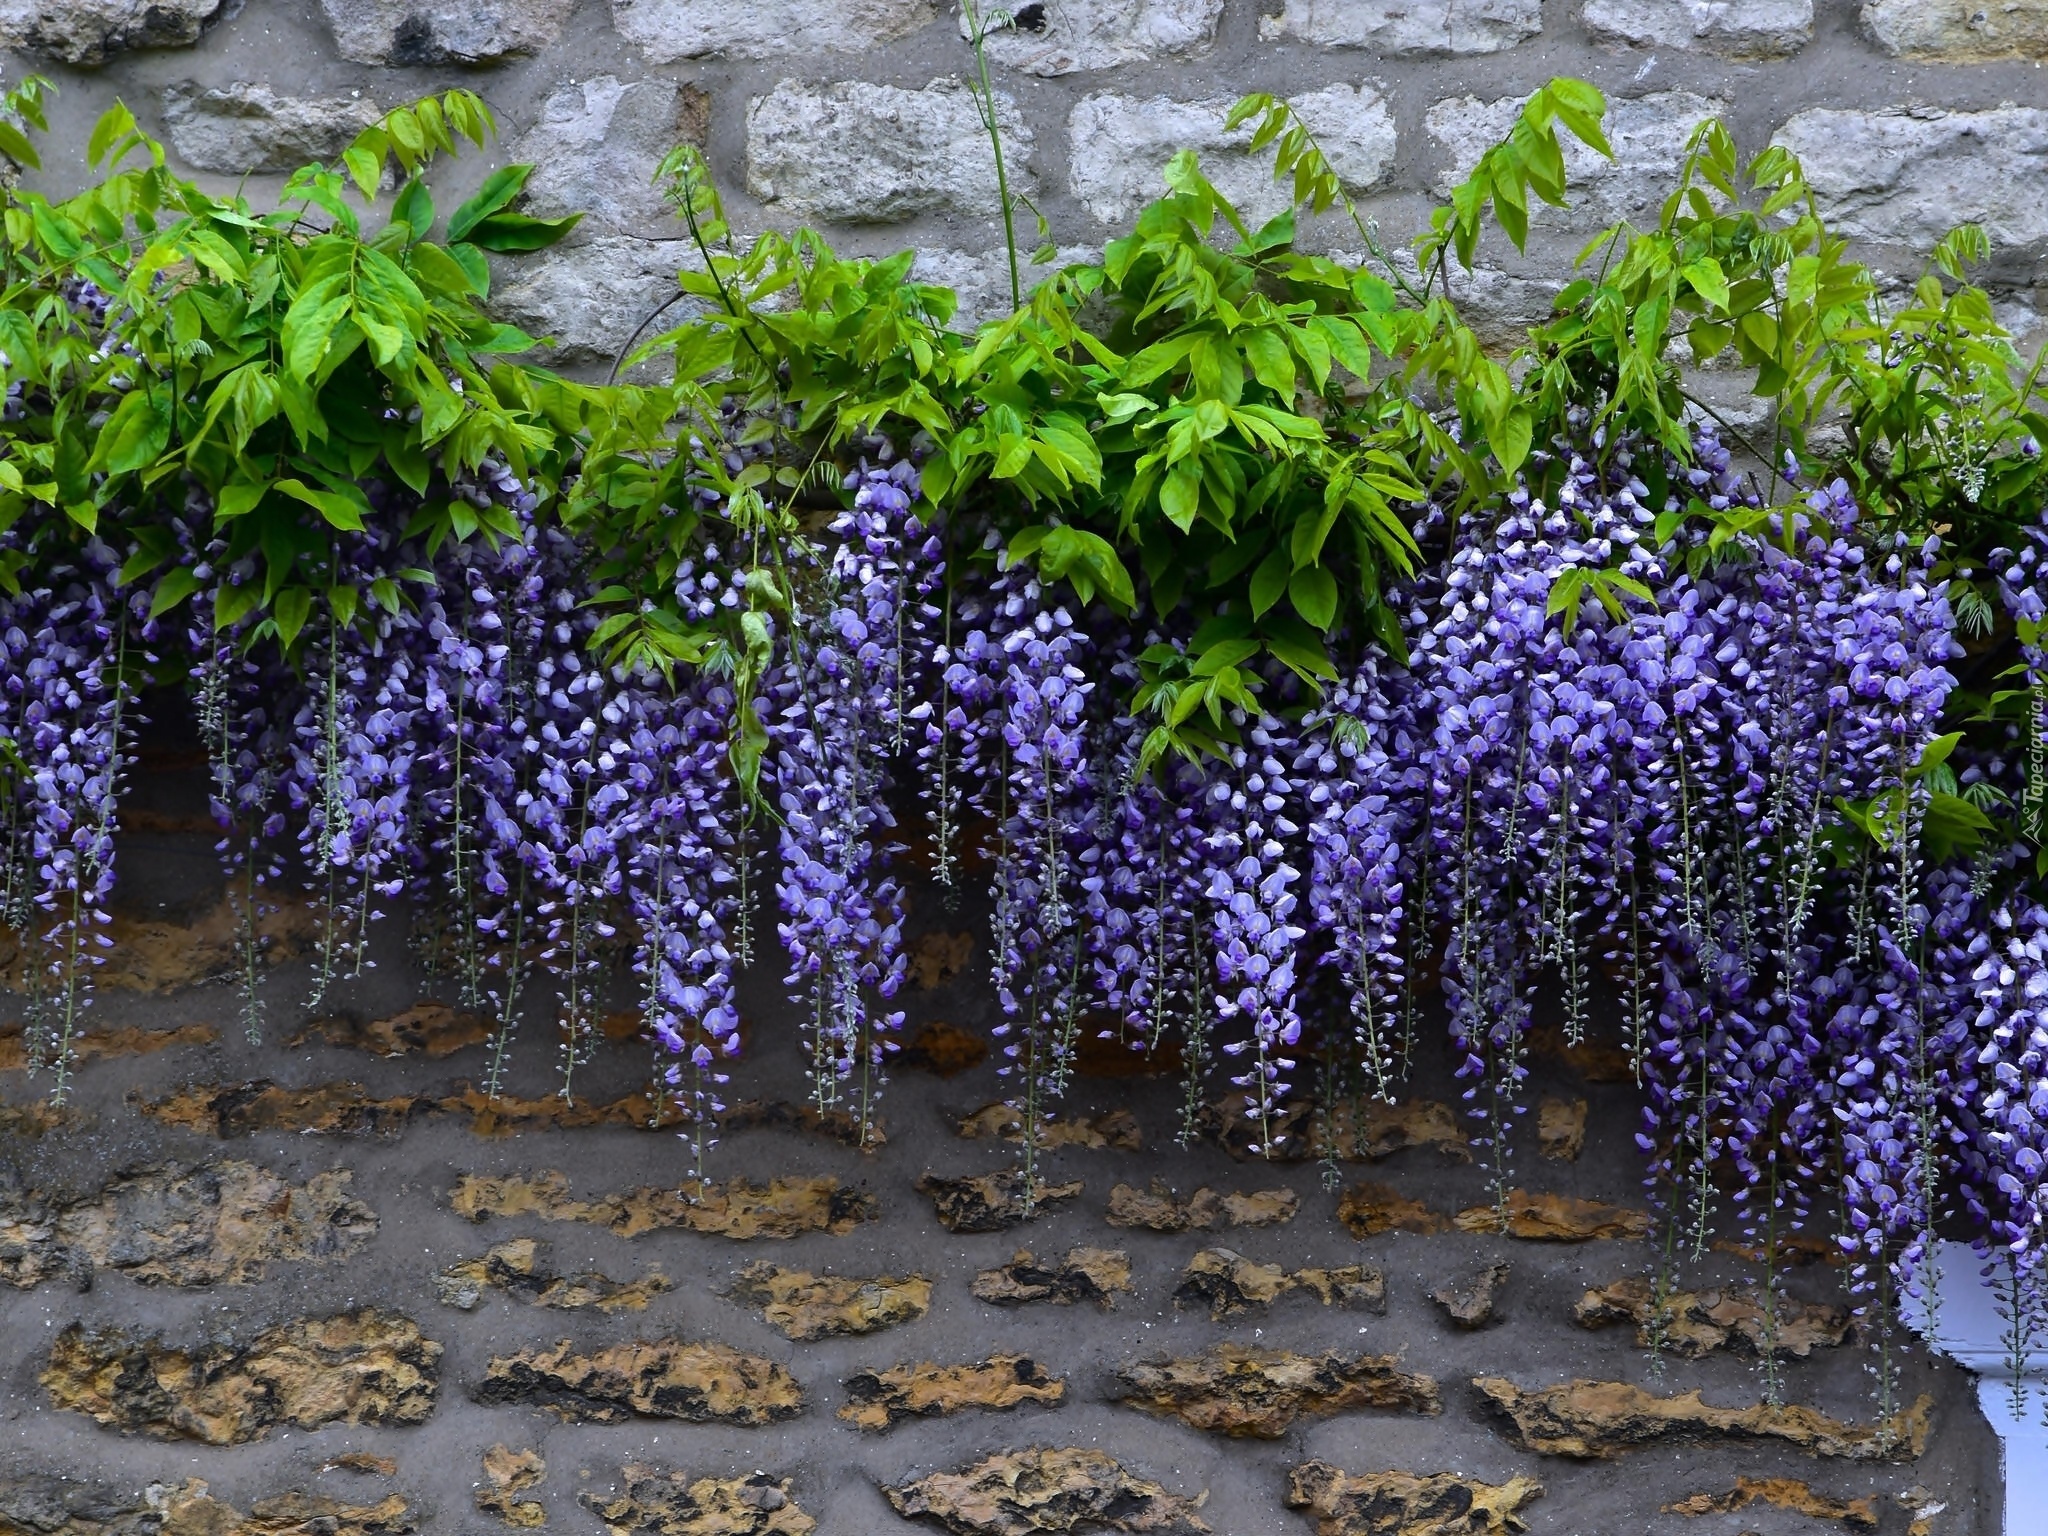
x: 89, y: 32
x: 1595, y: 1420
x: 241, y: 1109
x: 1548, y: 1218
x: 595, y: 147
x: 804, y: 1306
x: 243, y: 128
x: 990, y: 1202
x: 980, y: 281
x: 150, y: 955
x: 364, y: 1367
x: 1402, y: 1504
x: 221, y: 1223
x: 1743, y: 29
x: 878, y: 154
x: 1231, y: 1389
x: 1100, y: 34
x: 1021, y: 1492
x: 1354, y: 1131
x: 587, y: 297
x: 1367, y: 1209
x: 516, y: 1269
x: 668, y: 30
x: 429, y: 1029
x: 1561, y: 1128
x: 944, y: 1050
x: 361, y: 1461
x: 1408, y: 28
x: 1648, y: 134
x: 1697, y: 1323
x: 878, y: 1400
x: 1160, y: 1210
x: 508, y: 1474
x: 1909, y: 175
x: 657, y: 1379
x: 1781, y: 1493
x: 38, y: 1119
x: 1469, y: 1303
x: 1085, y: 1274
x: 415, y: 32
x: 657, y: 1503
x: 1116, y: 1128
x: 1958, y: 31
x: 1119, y: 146
x: 97, y: 1044
x: 56, y: 1506
x: 1228, y: 1283
x: 1596, y: 1061
x: 781, y: 1208
x: 936, y: 958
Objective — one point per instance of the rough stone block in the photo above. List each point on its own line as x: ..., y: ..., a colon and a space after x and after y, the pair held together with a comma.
x: 879, y: 1400
x: 89, y: 32
x: 803, y: 1306
x: 1407, y: 28
x: 1743, y: 29
x: 1595, y: 1420
x: 1402, y: 1504
x: 1907, y: 176
x: 657, y: 1379
x: 858, y: 153
x: 241, y: 128
x: 1100, y: 34
x: 668, y: 30
x: 676, y: 1504
x: 1231, y: 1389
x: 1120, y: 146
x: 596, y: 146
x: 1959, y: 31
x: 418, y: 32
x: 1019, y: 1492
x: 1648, y: 134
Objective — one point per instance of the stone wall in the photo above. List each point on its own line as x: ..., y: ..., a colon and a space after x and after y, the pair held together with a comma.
x: 1910, y: 114
x: 321, y: 1285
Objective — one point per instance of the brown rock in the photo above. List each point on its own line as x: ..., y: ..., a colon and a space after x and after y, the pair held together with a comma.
x: 1117, y: 1128
x: 507, y: 1474
x: 1793, y: 1249
x: 1021, y: 1492
x: 1085, y: 1274
x: 366, y: 1367
x: 1367, y: 1209
x: 837, y: 1125
x: 657, y: 1379
x: 189, y: 1511
x: 1352, y: 1131
x: 1402, y: 1504
x: 1355, y: 1287
x: 1105, y: 1051
x: 1596, y: 1061
x: 55, y: 1506
x: 739, y: 1210
x: 936, y: 958
x: 1696, y: 1323
x: 1228, y: 1283
x: 361, y: 1461
x: 222, y: 1223
x: 1561, y: 1128
x: 665, y: 1504
x: 261, y: 1105
x: 98, y: 1044
x: 1230, y: 1389
x: 1595, y: 1420
x: 153, y: 956
x: 990, y: 1202
x: 38, y: 1119
x: 1782, y: 1493
x: 1469, y: 1303
x: 1546, y: 1218
x: 1158, y: 1210
x: 804, y: 1306
x: 515, y: 1268
x: 432, y: 1030
x: 944, y: 1050
x: 879, y: 1400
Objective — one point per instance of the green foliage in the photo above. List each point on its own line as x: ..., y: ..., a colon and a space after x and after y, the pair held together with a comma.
x: 268, y: 361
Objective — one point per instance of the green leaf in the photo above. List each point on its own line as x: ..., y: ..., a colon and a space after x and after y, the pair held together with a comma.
x: 512, y: 232
x: 135, y: 436
x: 293, y: 606
x: 339, y: 511
x: 176, y: 586
x: 1313, y: 592
x: 498, y: 190
x: 1269, y: 581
